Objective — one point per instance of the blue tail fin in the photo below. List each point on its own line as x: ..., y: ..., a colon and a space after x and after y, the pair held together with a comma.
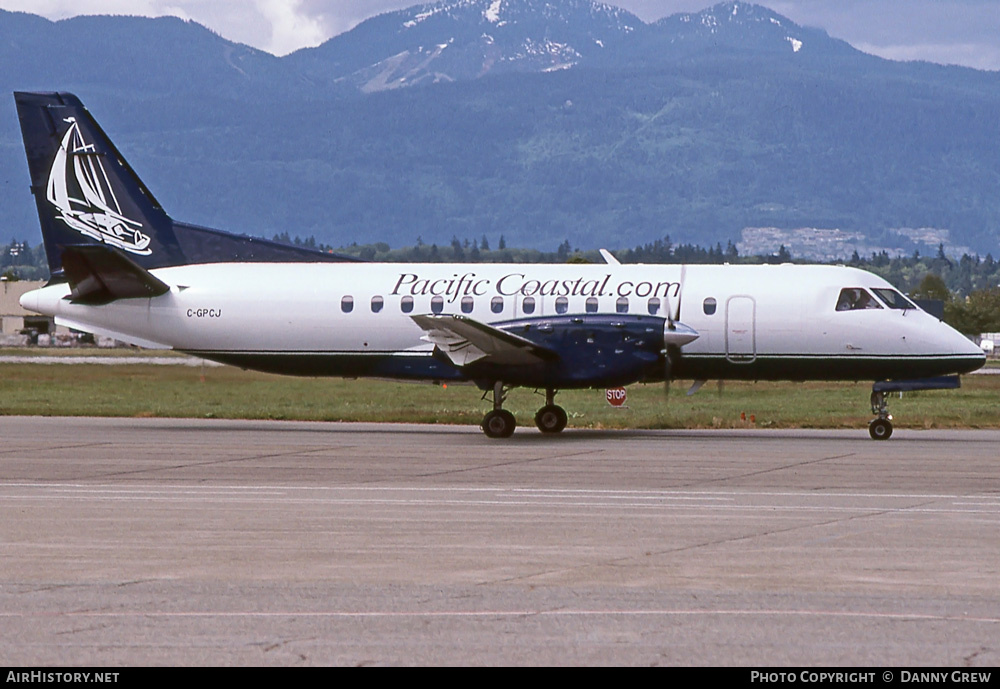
x: 86, y: 194
x: 84, y: 190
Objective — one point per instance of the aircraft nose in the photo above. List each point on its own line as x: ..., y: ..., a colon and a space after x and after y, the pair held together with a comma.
x: 971, y: 354
x: 980, y: 358
x: 967, y: 346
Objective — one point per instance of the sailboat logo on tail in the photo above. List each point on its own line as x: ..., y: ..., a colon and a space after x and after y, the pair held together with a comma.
x: 80, y: 190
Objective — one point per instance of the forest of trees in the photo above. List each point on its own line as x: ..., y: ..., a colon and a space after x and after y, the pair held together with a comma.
x: 19, y: 261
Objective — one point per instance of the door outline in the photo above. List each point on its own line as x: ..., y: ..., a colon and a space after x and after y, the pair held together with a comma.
x: 741, y: 332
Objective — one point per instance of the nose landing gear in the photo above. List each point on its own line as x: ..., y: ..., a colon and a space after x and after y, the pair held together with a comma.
x: 880, y: 428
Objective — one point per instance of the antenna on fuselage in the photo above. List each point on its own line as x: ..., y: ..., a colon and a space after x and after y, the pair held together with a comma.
x: 609, y: 258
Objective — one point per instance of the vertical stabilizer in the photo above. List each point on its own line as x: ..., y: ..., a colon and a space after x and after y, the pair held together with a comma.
x: 84, y: 190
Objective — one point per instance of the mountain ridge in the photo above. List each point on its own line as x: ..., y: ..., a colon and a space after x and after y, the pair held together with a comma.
x: 696, y: 128
x: 466, y: 39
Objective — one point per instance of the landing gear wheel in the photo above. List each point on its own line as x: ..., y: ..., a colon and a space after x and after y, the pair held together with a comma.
x: 499, y: 423
x: 551, y: 418
x: 880, y: 429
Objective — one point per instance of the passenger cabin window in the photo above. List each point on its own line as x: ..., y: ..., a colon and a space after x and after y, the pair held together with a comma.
x: 377, y: 303
x: 467, y: 304
x: 856, y: 299
x: 528, y: 305
x: 437, y: 304
x: 893, y: 299
x: 709, y: 306
x: 496, y: 305
x: 347, y: 304
x: 621, y: 306
x: 591, y: 305
x: 406, y: 304
x: 562, y: 304
x: 653, y: 305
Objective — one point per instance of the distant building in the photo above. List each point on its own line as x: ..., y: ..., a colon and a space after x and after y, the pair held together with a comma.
x: 988, y: 342
x: 13, y: 318
x: 826, y: 244
x: 811, y: 243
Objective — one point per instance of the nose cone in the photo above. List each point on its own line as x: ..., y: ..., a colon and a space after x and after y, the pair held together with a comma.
x: 676, y: 333
x: 977, y: 358
x: 968, y: 356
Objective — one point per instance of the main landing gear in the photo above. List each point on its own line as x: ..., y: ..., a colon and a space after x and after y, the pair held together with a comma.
x: 551, y: 418
x: 500, y: 423
x: 880, y: 428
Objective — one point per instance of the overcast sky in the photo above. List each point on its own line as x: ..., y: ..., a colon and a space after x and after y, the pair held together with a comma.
x: 965, y: 32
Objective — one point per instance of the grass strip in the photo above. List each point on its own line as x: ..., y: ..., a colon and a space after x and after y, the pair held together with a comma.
x: 137, y: 390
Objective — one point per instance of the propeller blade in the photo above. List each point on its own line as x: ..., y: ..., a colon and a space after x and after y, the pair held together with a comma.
x: 677, y: 313
x: 675, y: 334
x: 671, y: 353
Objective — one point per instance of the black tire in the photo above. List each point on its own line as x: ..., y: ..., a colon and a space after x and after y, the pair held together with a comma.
x: 498, y: 423
x: 880, y: 429
x: 551, y: 418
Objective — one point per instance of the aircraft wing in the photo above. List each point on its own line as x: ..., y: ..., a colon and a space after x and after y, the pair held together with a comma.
x: 466, y: 341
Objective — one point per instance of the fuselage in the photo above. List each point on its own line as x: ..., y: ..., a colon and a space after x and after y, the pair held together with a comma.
x: 780, y: 322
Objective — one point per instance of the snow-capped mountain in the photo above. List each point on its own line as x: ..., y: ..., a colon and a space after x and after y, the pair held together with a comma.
x: 466, y: 39
x: 741, y: 26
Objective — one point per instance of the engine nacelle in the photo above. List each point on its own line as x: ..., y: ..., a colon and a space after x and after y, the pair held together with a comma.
x: 594, y: 350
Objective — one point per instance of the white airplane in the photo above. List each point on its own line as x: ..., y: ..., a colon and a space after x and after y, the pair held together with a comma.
x: 122, y: 267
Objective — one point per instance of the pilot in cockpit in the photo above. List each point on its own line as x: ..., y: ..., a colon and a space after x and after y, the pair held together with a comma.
x: 855, y: 298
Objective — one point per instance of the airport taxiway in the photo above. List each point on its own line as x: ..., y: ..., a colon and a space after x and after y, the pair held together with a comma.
x: 176, y: 541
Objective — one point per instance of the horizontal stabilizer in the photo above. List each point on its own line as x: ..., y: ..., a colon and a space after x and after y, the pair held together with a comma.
x: 466, y: 341
x: 99, y: 274
x: 128, y: 338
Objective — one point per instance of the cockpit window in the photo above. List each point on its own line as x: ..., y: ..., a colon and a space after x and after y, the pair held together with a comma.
x: 893, y: 299
x: 855, y: 299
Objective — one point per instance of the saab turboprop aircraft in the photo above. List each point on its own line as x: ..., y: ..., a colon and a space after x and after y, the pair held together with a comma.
x: 121, y: 267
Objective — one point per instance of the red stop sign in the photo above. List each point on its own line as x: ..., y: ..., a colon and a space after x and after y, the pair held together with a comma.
x: 616, y: 396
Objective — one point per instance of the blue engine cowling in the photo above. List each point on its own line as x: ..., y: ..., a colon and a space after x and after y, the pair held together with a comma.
x: 593, y: 350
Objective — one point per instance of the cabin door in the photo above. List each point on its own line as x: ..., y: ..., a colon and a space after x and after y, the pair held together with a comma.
x: 741, y: 329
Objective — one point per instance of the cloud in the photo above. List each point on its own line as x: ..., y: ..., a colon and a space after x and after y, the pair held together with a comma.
x: 976, y: 55
x: 955, y: 32
x: 61, y: 9
x: 291, y: 27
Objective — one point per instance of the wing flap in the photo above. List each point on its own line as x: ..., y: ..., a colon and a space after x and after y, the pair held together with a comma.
x: 465, y: 341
